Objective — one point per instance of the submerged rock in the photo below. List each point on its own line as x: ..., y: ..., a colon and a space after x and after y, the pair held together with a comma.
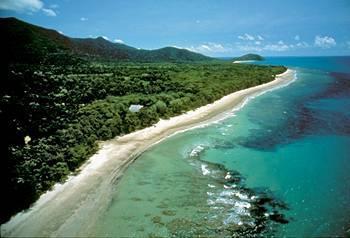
x: 157, y: 220
x: 169, y: 213
x: 233, y: 209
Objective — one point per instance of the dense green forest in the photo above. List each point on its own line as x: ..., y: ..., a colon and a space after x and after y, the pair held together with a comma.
x: 59, y: 96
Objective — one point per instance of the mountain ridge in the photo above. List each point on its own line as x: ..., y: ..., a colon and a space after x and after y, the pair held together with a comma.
x: 25, y: 42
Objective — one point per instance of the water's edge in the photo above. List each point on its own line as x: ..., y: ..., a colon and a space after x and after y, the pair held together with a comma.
x: 18, y: 224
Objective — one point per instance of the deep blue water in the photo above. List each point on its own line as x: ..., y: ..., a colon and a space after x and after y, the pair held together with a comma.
x: 279, y: 166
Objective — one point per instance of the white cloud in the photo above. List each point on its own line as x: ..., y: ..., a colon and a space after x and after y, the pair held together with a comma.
x: 246, y: 37
x: 297, y: 38
x: 21, y: 5
x: 118, y: 41
x: 83, y: 19
x: 49, y: 12
x: 348, y: 44
x: 302, y: 44
x: 61, y: 32
x: 208, y: 48
x: 260, y: 37
x: 204, y: 47
x: 259, y: 46
x: 198, y: 21
x: 280, y: 46
x: 105, y: 37
x: 324, y: 42
x: 249, y: 48
x: 262, y: 46
x: 27, y: 6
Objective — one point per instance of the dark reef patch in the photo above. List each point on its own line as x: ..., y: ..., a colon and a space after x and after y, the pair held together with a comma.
x: 340, y: 87
x: 233, y: 209
x: 308, y: 115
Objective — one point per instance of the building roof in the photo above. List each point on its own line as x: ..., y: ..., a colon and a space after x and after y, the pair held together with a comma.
x: 135, y: 107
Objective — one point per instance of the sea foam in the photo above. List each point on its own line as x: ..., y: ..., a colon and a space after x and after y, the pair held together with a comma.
x: 196, y: 150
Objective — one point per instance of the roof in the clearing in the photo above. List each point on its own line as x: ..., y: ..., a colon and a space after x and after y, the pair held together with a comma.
x: 135, y: 107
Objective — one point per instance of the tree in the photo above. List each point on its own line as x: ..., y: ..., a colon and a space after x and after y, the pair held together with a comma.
x: 161, y: 107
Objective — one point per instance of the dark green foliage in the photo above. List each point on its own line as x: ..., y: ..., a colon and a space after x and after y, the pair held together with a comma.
x: 161, y: 107
x: 23, y: 42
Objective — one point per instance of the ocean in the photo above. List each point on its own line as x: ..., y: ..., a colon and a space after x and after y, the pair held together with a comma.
x: 278, y: 166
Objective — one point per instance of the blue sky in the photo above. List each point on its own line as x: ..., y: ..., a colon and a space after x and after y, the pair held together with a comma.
x: 215, y: 28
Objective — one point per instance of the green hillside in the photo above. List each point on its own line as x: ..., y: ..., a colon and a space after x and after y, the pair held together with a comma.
x: 24, y: 42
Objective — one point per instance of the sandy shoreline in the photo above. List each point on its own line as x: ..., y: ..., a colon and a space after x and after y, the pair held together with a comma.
x: 72, y: 208
x: 242, y: 61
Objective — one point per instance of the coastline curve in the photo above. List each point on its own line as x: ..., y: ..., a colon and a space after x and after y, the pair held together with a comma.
x: 77, y: 203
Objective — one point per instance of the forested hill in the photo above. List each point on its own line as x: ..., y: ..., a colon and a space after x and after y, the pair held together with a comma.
x: 249, y: 57
x: 24, y: 42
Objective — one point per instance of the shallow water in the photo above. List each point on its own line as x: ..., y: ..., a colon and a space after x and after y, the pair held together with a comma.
x: 278, y: 166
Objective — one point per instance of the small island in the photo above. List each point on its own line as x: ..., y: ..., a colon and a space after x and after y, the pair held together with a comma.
x: 248, y: 57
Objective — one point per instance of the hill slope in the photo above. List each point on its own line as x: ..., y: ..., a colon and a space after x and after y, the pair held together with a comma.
x: 24, y: 42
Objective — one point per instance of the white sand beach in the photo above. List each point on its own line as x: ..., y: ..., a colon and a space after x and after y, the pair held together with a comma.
x: 71, y: 209
x: 242, y: 61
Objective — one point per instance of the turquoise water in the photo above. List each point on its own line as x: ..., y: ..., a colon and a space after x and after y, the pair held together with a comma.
x: 279, y: 166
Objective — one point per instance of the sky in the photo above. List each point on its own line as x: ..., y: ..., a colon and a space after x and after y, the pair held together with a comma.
x: 212, y: 27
